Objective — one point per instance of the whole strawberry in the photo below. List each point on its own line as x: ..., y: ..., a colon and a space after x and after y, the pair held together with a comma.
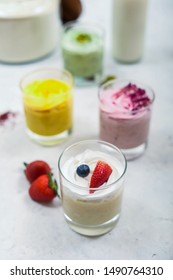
x: 35, y: 169
x: 43, y: 189
x: 100, y: 175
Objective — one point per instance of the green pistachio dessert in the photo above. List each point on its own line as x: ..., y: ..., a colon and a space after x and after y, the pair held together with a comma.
x: 82, y: 52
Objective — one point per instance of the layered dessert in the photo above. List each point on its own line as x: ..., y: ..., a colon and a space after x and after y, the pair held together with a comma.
x: 82, y: 49
x: 91, y: 188
x: 48, y: 106
x: 125, y: 112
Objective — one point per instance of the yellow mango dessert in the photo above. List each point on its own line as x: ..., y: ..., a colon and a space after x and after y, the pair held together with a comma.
x: 48, y: 106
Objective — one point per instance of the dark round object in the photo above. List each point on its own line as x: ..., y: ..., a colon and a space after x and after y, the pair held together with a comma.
x: 83, y: 170
x: 70, y: 10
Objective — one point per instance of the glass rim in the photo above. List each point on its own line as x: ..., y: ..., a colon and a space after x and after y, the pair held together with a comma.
x: 99, y: 142
x: 56, y: 70
x: 85, y: 23
x: 137, y: 82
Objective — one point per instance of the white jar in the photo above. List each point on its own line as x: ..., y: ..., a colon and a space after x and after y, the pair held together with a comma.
x: 128, y: 29
x: 28, y: 29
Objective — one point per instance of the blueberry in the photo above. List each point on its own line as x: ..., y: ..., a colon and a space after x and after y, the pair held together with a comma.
x: 83, y: 170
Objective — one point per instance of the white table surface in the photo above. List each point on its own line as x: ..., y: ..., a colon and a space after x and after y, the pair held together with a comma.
x: 29, y: 230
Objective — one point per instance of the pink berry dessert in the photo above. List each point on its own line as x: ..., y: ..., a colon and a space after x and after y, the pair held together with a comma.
x: 125, y: 113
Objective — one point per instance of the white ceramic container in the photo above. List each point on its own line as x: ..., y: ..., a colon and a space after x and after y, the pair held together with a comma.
x: 29, y: 29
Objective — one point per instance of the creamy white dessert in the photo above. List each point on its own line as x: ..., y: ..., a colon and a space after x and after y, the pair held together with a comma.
x: 28, y: 29
x: 80, y: 205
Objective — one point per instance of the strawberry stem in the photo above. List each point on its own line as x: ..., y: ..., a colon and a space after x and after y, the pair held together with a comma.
x: 53, y: 184
x: 25, y: 163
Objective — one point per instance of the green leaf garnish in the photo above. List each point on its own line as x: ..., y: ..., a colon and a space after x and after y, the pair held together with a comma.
x: 107, y: 79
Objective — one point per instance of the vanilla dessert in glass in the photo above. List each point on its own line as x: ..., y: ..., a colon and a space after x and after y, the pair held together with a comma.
x: 125, y: 114
x: 48, y: 105
x: 91, y: 183
x: 82, y: 50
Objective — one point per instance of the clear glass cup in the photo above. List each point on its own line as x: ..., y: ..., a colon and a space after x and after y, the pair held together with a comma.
x: 82, y: 51
x: 48, y: 105
x: 91, y: 211
x: 123, y: 123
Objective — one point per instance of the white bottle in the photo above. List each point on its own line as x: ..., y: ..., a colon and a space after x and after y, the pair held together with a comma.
x: 28, y: 29
x: 128, y: 29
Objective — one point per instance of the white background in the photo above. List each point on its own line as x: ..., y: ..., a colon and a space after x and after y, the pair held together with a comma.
x: 85, y: 269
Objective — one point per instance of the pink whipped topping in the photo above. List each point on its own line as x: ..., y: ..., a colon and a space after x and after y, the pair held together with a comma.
x: 129, y: 100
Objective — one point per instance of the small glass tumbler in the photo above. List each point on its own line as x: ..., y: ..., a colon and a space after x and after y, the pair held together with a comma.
x: 91, y: 211
x: 125, y: 114
x: 48, y: 105
x: 82, y: 51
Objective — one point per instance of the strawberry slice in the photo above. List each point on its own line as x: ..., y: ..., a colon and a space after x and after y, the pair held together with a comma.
x: 100, y: 175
